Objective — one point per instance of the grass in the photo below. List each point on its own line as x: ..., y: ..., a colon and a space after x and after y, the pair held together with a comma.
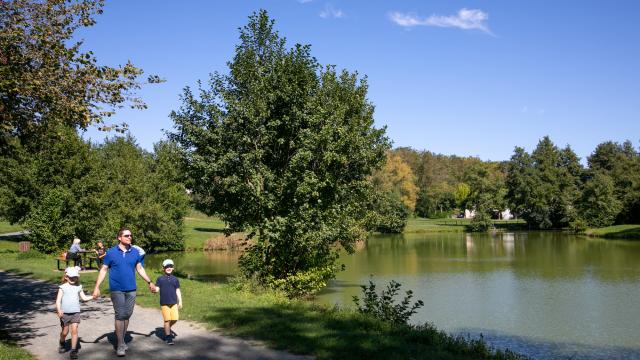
x: 10, y: 351
x: 421, y: 225
x: 616, y: 232
x: 296, y: 325
x: 5, y: 227
x: 198, y: 228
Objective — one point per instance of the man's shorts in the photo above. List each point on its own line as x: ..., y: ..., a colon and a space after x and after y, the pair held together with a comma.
x: 170, y: 312
x: 123, y: 302
x: 68, y: 318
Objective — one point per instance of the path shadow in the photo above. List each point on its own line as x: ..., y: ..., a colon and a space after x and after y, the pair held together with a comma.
x: 22, y: 301
x: 112, y: 339
x: 207, y: 229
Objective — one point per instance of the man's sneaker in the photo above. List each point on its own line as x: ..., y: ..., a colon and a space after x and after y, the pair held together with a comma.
x: 61, y: 348
x: 73, y: 354
x: 169, y: 340
x: 121, y: 351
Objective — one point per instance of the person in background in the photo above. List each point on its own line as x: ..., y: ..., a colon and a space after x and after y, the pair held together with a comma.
x: 101, y: 252
x: 142, y: 253
x: 74, y: 252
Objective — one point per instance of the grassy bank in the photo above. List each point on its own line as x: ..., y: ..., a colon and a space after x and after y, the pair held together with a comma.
x: 10, y: 351
x: 298, y: 326
x: 5, y: 227
x: 616, y: 232
x: 421, y: 225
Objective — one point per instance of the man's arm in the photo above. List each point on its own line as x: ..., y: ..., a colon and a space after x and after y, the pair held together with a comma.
x: 101, y: 276
x: 145, y: 277
x: 179, y: 294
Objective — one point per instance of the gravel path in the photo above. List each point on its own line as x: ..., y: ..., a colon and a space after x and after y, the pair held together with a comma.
x: 28, y: 315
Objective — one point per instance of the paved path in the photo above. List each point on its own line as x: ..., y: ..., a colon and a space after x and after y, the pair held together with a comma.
x: 27, y: 314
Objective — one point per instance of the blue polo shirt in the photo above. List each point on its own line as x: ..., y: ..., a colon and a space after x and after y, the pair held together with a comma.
x: 122, y: 268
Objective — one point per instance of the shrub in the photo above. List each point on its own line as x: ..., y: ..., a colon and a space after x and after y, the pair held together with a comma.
x: 481, y: 222
x: 383, y: 306
x: 235, y: 241
x: 304, y: 283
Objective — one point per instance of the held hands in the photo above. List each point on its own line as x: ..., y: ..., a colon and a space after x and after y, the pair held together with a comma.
x: 60, y: 313
x: 152, y: 287
x: 96, y: 293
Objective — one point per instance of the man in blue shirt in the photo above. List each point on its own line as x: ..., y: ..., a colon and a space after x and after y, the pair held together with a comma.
x: 122, y: 261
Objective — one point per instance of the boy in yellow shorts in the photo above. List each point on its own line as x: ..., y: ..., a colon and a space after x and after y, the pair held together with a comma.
x: 170, y: 298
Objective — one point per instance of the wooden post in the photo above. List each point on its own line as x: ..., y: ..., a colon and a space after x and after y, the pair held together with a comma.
x: 24, y: 246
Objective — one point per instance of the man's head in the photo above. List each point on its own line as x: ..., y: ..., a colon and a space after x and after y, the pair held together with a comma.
x: 124, y: 236
x: 100, y: 244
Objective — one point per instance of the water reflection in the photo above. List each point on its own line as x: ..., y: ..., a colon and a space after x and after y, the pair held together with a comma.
x: 524, y: 287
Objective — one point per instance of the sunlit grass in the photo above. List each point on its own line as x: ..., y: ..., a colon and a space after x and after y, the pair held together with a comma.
x: 5, y: 227
x: 616, y: 232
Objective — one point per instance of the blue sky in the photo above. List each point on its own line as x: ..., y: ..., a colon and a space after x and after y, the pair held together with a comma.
x: 471, y: 78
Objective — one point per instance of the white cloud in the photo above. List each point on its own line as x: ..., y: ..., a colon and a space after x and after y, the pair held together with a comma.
x: 467, y: 19
x: 330, y: 12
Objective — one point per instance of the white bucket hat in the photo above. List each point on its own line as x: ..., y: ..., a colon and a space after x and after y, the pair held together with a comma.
x: 72, y: 271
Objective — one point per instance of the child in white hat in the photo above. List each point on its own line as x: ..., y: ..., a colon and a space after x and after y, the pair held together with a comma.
x: 68, y: 308
x: 170, y: 298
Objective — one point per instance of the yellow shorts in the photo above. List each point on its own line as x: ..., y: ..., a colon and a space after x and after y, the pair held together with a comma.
x: 170, y: 312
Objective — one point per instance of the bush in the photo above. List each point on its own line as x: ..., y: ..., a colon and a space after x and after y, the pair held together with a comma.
x: 481, y: 222
x: 388, y: 215
x: 31, y: 254
x: 304, y: 283
x: 383, y: 306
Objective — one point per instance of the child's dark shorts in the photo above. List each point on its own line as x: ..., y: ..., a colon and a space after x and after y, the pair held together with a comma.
x: 68, y: 318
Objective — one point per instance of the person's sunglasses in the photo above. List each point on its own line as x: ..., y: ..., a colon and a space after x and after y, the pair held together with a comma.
x: 127, y: 236
x: 168, y: 266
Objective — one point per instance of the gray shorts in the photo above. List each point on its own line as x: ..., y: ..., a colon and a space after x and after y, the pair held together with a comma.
x: 123, y: 302
x: 68, y: 318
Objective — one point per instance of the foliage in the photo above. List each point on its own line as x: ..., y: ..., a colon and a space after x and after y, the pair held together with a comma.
x: 383, y: 306
x: 396, y: 178
x: 47, y: 80
x: 480, y: 222
x: 388, y: 214
x: 31, y: 254
x: 598, y: 205
x: 282, y: 149
x: 461, y: 194
x: 543, y: 186
x: 73, y: 189
x: 303, y: 283
x: 621, y: 162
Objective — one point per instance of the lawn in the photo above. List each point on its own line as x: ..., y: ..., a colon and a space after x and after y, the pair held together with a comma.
x: 5, y: 227
x: 616, y: 232
x: 422, y: 225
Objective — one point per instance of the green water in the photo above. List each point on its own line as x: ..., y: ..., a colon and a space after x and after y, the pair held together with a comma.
x: 546, y: 294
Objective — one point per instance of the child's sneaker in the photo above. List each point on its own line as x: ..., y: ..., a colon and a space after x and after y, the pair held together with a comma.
x: 170, y: 340
x: 73, y: 354
x: 61, y: 348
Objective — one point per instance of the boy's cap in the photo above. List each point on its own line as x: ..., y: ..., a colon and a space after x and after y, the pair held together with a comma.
x: 167, y: 262
x: 72, y: 271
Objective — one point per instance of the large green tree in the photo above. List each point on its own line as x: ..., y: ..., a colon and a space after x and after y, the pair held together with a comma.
x: 283, y: 148
x: 621, y: 162
x: 46, y: 79
x: 543, y: 186
x: 598, y: 204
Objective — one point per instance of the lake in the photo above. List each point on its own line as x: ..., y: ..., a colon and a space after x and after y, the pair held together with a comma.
x: 549, y: 295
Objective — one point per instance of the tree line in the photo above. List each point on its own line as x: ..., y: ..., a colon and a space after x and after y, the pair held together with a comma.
x: 548, y: 188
